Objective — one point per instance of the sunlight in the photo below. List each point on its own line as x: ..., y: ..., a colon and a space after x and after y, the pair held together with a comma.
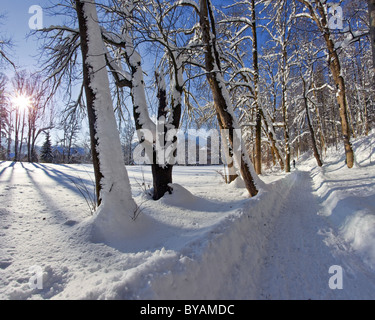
x: 21, y: 101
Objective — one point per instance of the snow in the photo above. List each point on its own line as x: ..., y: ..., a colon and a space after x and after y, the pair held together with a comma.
x: 208, y: 240
x: 349, y: 200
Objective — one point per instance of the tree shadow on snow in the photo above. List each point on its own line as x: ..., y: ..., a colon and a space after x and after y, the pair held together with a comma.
x: 66, y: 180
x: 11, y: 165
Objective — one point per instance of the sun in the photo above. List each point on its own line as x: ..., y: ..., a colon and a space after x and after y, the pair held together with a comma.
x: 22, y: 101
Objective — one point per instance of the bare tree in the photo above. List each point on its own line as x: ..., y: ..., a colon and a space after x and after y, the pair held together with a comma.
x: 318, y: 13
x: 70, y: 125
x: 309, y: 123
x: 244, y: 17
x: 168, y: 114
x: 5, y: 45
x: 31, y: 106
x: 220, y: 93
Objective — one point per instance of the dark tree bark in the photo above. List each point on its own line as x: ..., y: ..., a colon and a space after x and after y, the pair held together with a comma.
x: 311, y: 129
x: 161, y: 173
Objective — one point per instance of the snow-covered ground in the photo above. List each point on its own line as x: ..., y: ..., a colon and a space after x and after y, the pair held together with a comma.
x: 206, y: 241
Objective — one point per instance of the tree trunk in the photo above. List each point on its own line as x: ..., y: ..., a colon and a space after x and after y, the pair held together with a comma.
x: 365, y: 115
x: 112, y: 181
x: 275, y: 149
x: 319, y: 15
x: 9, y: 141
x: 341, y: 98
x: 284, y: 108
x: 16, y: 136
x: 258, y: 142
x: 22, y: 133
x: 90, y: 98
x: 33, y: 141
x: 258, y: 117
x: 313, y: 141
x: 29, y: 144
x: 220, y: 94
x: 161, y: 172
x: 231, y: 175
x: 320, y: 125
x: 335, y: 67
x: 162, y: 177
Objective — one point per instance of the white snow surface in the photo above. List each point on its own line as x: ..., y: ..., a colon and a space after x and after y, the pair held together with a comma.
x: 207, y: 240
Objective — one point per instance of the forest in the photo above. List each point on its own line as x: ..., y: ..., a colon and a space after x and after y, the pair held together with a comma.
x: 293, y: 76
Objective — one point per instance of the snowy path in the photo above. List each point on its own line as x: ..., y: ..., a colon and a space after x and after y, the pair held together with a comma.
x: 301, y: 250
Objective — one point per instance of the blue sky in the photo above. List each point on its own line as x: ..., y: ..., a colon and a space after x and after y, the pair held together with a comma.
x: 16, y: 27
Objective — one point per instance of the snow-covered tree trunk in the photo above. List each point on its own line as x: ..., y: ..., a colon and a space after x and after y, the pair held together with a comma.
x: 161, y: 172
x: 168, y: 119
x: 112, y: 182
x: 222, y: 103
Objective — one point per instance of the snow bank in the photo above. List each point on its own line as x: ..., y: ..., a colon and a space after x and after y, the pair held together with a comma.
x: 205, y: 262
x: 348, y: 197
x: 183, y: 198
